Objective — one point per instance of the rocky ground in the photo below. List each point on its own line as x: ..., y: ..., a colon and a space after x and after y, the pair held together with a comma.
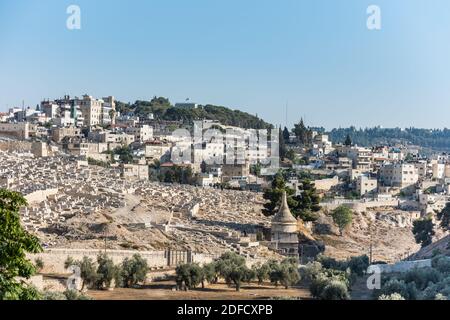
x: 387, y: 230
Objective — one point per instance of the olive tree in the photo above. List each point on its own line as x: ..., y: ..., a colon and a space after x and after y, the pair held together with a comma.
x: 342, y: 217
x: 107, y: 272
x: 133, y: 270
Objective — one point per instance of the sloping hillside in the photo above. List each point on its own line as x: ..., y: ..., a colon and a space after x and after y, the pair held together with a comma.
x: 391, y: 238
x: 441, y: 246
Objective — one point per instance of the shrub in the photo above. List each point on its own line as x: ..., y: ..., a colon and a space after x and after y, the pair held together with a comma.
x: 408, y: 291
x: 318, y: 284
x: 191, y: 274
x: 39, y: 263
x: 311, y: 270
x: 331, y: 263
x: 441, y: 263
x: 440, y: 296
x: 359, y: 265
x: 393, y: 296
x: 50, y: 295
x: 329, y: 287
x: 422, y: 277
x: 289, y: 274
x: 75, y: 295
x: 440, y: 288
x: 335, y: 290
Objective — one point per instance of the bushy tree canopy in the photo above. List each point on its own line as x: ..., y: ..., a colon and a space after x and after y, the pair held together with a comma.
x: 15, y: 242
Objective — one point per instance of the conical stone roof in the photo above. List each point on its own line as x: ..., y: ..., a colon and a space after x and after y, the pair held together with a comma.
x: 284, y: 215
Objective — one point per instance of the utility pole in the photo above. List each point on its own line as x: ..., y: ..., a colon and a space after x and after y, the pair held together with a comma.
x: 371, y: 244
x: 104, y: 236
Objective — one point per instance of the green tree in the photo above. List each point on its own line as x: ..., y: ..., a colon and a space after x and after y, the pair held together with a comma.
x: 39, y: 264
x: 261, y: 272
x: 88, y: 271
x: 289, y: 274
x: 286, y: 135
x: 348, y: 141
x: 191, y: 274
x: 303, y: 134
x: 423, y: 230
x: 125, y: 154
x: 107, y: 272
x: 444, y: 217
x: 210, y: 273
x: 15, y: 242
x: 274, y: 194
x: 231, y: 267
x: 342, y: 217
x: 304, y: 206
x: 134, y: 270
x: 290, y: 154
x: 308, y: 202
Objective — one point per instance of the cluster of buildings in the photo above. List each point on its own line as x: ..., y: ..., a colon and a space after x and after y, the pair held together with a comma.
x: 93, y: 129
x: 382, y: 172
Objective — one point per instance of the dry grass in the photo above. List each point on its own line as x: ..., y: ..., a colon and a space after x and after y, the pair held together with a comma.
x: 163, y: 291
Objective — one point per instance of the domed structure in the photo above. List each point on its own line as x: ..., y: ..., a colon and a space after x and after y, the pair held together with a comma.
x: 284, y: 230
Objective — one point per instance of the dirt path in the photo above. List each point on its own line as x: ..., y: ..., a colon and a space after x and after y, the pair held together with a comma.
x: 360, y: 290
x: 163, y: 291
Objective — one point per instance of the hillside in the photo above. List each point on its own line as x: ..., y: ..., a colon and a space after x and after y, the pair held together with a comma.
x: 392, y: 238
x: 433, y: 139
x: 441, y: 246
x: 162, y: 109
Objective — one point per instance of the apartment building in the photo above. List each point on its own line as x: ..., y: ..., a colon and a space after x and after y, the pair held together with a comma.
x: 108, y: 111
x: 59, y: 133
x: 366, y: 185
x: 111, y: 137
x: 91, y: 109
x: 362, y: 158
x: 157, y: 151
x: 141, y: 134
x: 422, y: 169
x: 230, y: 171
x: 438, y: 170
x: 399, y: 175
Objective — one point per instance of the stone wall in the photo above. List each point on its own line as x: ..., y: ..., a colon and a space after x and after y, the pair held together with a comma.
x: 41, y: 195
x: 15, y: 146
x: 401, y: 267
x: 326, y: 184
x: 54, y: 259
x: 359, y: 205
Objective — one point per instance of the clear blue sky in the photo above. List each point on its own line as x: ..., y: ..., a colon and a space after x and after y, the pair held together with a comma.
x: 254, y: 55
